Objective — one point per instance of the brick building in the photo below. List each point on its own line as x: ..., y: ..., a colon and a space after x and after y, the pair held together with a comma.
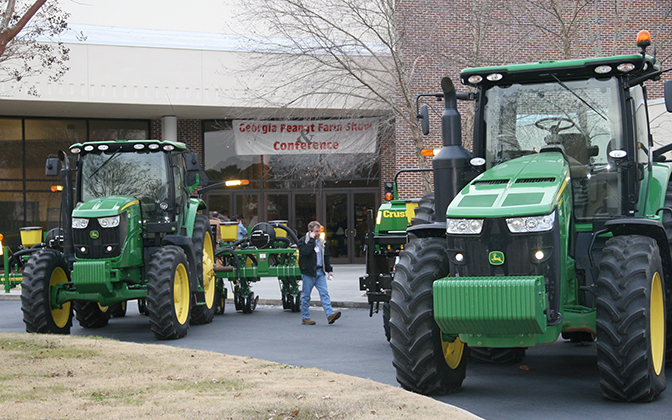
x: 440, y: 38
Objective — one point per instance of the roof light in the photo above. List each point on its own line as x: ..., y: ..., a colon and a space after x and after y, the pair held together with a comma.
x: 138, y: 146
x: 168, y: 147
x: 75, y: 150
x: 475, y: 79
x: 602, y: 69
x: 494, y: 77
x: 153, y: 146
x: 88, y: 148
x: 643, y: 39
x: 625, y: 67
x: 103, y: 147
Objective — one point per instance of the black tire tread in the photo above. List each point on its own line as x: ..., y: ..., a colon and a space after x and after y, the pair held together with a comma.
x: 35, y: 303
x: 160, y: 306
x: 623, y: 356
x: 201, y: 314
x: 90, y: 315
x: 414, y: 336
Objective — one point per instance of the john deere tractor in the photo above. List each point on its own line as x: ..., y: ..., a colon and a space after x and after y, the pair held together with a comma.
x: 134, y: 234
x: 558, y: 224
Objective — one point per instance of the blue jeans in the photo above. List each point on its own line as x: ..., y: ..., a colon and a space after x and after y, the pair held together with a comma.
x: 320, y: 283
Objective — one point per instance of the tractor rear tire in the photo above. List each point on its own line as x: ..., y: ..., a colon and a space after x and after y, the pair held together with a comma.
x: 168, y: 293
x: 44, y: 269
x: 91, y: 314
x: 425, y: 363
x: 631, y: 319
x: 205, y: 259
x: 425, y: 211
x: 220, y: 300
x: 386, y: 319
x: 118, y: 310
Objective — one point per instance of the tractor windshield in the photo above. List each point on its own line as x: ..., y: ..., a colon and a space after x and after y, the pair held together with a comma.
x: 142, y: 175
x: 580, y: 119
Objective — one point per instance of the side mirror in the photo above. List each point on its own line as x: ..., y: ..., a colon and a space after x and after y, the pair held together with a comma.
x: 51, y: 168
x: 424, y: 119
x: 668, y: 95
x: 191, y: 160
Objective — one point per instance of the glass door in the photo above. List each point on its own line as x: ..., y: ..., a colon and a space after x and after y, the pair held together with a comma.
x: 345, y: 224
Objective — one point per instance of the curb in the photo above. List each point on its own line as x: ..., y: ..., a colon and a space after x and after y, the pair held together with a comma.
x: 334, y: 304
x: 270, y: 302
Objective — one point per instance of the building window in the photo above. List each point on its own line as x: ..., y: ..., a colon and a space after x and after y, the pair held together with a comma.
x: 25, y: 192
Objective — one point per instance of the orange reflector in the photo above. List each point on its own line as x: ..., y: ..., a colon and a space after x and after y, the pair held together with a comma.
x: 389, y: 196
x: 643, y: 36
x: 427, y: 152
x: 2, y: 237
x: 56, y: 188
x: 236, y: 182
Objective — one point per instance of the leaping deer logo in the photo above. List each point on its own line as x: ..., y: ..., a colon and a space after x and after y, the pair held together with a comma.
x: 496, y: 258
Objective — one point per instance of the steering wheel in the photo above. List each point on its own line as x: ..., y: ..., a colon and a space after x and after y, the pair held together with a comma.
x: 554, y: 128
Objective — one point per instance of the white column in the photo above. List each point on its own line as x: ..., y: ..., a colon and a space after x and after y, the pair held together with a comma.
x: 169, y: 128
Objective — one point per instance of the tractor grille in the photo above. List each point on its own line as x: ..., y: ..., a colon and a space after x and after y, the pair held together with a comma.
x: 518, y: 256
x: 89, y: 245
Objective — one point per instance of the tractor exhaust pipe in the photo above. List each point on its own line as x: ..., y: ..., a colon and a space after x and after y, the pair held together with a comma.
x: 452, y: 170
x: 67, y: 203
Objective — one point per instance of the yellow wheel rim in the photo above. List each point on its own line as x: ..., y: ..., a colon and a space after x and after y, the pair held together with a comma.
x: 181, y: 294
x: 60, y: 316
x: 208, y: 272
x: 657, y: 324
x: 452, y: 352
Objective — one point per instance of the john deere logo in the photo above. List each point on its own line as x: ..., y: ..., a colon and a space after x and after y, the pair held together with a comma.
x: 94, y: 234
x: 496, y: 258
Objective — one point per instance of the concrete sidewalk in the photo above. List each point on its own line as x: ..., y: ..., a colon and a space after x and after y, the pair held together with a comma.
x: 343, y: 289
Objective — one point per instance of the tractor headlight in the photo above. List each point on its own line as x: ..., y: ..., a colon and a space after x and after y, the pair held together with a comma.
x: 79, y: 223
x: 465, y: 226
x: 109, y: 222
x: 531, y: 223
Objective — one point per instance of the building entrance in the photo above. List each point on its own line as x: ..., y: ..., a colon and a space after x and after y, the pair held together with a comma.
x: 342, y: 212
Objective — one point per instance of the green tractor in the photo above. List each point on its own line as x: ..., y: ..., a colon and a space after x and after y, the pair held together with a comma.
x: 558, y: 225
x: 135, y: 234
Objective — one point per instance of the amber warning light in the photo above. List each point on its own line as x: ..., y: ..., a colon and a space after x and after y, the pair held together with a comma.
x: 56, y: 188
x: 236, y: 182
x: 643, y: 39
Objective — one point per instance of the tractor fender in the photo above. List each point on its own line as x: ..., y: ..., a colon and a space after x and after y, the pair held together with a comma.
x: 435, y: 230
x: 645, y: 227
x: 187, y: 246
x: 194, y: 205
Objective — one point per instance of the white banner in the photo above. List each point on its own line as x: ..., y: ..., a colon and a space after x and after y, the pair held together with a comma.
x: 308, y: 137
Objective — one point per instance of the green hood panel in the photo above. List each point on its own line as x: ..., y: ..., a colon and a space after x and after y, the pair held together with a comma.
x: 105, y: 206
x: 530, y: 185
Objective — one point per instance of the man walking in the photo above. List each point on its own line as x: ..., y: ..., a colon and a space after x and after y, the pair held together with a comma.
x: 313, y: 263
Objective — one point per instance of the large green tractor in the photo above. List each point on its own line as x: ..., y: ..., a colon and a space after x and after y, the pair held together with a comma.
x: 134, y: 234
x: 558, y: 224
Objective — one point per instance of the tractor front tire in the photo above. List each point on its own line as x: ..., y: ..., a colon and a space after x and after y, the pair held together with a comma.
x: 168, y: 293
x: 43, y: 270
x: 425, y: 363
x: 631, y: 319
x: 205, y: 257
x: 91, y: 314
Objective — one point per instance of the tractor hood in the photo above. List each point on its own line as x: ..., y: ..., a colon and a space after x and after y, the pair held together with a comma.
x: 530, y: 185
x: 105, y: 206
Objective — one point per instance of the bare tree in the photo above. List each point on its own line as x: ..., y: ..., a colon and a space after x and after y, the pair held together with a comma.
x: 331, y: 54
x: 24, y: 26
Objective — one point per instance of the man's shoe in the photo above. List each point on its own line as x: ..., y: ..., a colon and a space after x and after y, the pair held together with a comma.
x: 307, y: 321
x: 333, y: 317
